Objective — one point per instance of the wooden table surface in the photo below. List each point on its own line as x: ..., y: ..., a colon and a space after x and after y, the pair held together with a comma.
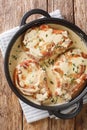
x: 11, y: 115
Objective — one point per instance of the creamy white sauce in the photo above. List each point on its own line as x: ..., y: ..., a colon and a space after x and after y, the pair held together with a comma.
x: 17, y: 55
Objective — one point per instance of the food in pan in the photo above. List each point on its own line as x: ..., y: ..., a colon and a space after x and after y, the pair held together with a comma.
x: 45, y: 41
x: 30, y: 79
x: 64, y: 79
x: 70, y: 72
x: 53, y: 69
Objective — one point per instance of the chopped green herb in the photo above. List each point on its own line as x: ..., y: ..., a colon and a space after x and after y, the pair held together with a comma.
x: 77, y: 67
x: 57, y: 46
x: 46, y: 64
x: 63, y: 40
x: 18, y: 46
x: 43, y: 68
x: 25, y: 44
x: 65, y: 74
x: 76, y: 71
x: 45, y: 78
x: 72, y: 54
x: 74, y: 64
x: 10, y: 63
x: 14, y: 57
x: 73, y: 69
x: 52, y: 99
x: 51, y: 82
x: 18, y: 50
x: 56, y: 98
x: 51, y: 61
x: 82, y: 60
x: 40, y: 40
x: 46, y: 35
x: 72, y: 80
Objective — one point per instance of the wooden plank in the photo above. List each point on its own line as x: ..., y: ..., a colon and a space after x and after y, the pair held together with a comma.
x: 65, y: 7
x: 11, y: 11
x: 62, y: 124
x: 81, y: 119
x: 10, y: 111
x: 80, y: 13
x: 38, y: 125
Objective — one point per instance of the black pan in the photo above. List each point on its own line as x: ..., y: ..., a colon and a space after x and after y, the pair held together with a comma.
x: 56, y: 110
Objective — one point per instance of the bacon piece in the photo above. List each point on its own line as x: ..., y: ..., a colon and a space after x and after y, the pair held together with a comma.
x: 59, y: 71
x: 84, y: 55
x: 44, y: 27
x: 57, y: 31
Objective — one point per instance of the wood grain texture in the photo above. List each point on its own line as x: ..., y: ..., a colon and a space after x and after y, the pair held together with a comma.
x: 62, y: 124
x: 11, y: 11
x: 81, y: 119
x: 10, y: 111
x: 80, y: 14
x: 11, y: 117
x: 65, y: 6
x: 38, y: 125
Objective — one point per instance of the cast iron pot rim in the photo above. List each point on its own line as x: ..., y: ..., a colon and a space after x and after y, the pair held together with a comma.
x: 21, y: 30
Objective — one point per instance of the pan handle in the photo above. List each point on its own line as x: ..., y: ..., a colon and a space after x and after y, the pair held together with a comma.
x: 71, y: 114
x: 33, y: 11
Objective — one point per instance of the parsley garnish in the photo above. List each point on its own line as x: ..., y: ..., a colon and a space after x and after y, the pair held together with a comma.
x: 14, y: 57
x: 46, y: 35
x: 51, y: 82
x: 45, y: 78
